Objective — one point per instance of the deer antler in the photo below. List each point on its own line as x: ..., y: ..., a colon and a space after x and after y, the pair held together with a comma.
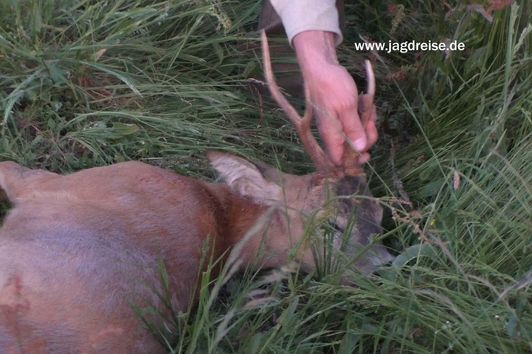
x: 323, y: 164
x: 302, y: 124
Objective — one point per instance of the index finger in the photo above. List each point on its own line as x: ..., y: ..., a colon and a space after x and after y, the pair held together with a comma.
x: 331, y: 133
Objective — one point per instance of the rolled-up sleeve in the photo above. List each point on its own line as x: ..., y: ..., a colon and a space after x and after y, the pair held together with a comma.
x: 306, y: 15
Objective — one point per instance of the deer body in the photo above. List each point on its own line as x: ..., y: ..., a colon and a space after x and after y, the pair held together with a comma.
x: 79, y: 252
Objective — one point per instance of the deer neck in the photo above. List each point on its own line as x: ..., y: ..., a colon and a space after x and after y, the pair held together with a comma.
x: 257, y: 226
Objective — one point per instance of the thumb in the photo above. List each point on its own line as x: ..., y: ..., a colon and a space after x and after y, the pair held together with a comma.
x: 353, y: 129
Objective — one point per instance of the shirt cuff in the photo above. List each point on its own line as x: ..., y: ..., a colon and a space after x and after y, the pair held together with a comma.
x: 307, y: 15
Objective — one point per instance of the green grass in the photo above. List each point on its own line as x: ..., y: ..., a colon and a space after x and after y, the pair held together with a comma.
x: 88, y: 83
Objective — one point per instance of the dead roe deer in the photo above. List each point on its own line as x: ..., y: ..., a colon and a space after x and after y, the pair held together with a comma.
x: 77, y: 251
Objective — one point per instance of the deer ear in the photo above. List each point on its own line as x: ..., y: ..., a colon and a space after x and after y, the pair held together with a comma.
x: 245, y: 178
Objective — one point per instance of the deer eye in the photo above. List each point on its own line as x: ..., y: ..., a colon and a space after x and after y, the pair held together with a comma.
x: 335, y: 226
x: 330, y: 227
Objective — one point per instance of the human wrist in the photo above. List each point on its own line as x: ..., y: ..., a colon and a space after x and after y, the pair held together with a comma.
x: 315, y: 48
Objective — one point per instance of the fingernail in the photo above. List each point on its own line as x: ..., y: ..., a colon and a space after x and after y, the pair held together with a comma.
x: 360, y: 144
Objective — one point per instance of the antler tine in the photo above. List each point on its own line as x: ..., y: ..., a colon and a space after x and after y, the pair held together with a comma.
x: 290, y: 111
x: 370, y: 77
x: 302, y: 124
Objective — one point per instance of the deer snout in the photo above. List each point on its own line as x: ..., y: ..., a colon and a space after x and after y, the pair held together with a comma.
x: 369, y: 257
x: 373, y: 260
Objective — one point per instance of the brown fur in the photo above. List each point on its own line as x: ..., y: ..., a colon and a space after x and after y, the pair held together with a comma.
x: 77, y: 251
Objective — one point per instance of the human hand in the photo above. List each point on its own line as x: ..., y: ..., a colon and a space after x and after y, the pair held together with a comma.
x: 334, y: 95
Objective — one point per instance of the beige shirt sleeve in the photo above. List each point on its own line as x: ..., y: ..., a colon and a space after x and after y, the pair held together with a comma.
x: 306, y: 15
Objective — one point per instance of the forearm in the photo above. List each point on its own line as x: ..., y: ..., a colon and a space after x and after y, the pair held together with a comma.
x: 314, y: 48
